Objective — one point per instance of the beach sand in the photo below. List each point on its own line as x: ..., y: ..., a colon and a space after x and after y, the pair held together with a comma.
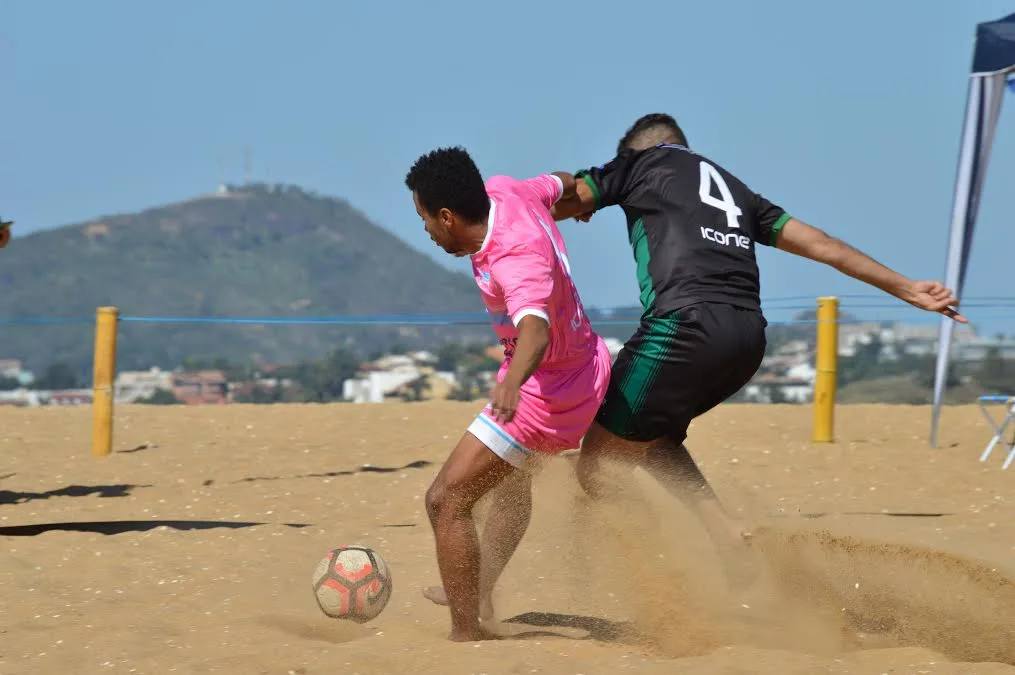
x: 196, y: 539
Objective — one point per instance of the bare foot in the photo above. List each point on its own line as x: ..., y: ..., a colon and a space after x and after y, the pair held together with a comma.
x: 436, y: 595
x: 472, y: 635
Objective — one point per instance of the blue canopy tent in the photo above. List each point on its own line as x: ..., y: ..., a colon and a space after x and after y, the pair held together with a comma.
x: 993, y: 65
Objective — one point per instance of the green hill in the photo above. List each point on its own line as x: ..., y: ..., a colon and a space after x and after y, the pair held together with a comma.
x: 253, y: 251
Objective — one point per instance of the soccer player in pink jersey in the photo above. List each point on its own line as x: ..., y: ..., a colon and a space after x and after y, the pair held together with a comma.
x: 551, y: 383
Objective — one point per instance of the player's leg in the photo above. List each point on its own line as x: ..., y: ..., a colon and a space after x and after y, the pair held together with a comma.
x: 721, y: 352
x: 506, y: 524
x: 672, y: 466
x: 601, y: 445
x: 666, y: 375
x: 470, y: 472
x: 622, y: 431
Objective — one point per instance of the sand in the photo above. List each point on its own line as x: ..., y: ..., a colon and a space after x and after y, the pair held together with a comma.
x: 169, y: 575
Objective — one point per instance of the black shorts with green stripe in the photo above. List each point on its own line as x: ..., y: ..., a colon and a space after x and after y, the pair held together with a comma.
x: 679, y: 366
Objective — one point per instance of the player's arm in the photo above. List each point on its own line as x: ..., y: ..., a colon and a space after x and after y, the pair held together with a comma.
x: 533, y: 340
x: 525, y: 276
x: 5, y: 232
x: 799, y: 238
x: 598, y: 187
x: 550, y: 188
x: 581, y: 201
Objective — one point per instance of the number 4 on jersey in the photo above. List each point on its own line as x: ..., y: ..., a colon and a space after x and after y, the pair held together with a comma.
x: 709, y: 175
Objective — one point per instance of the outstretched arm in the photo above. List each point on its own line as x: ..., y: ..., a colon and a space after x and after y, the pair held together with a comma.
x: 799, y: 238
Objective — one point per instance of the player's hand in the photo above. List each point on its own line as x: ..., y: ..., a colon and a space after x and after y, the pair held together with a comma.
x: 504, y: 400
x: 584, y: 217
x: 934, y: 297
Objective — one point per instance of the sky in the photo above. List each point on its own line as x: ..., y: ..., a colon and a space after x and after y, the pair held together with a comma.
x: 846, y: 114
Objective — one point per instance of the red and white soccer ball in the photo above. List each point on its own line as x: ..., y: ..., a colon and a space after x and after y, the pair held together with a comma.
x: 352, y: 582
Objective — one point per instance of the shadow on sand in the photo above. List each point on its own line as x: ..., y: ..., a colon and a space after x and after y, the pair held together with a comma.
x: 595, y: 628
x: 121, y: 490
x: 109, y: 527
x: 366, y: 468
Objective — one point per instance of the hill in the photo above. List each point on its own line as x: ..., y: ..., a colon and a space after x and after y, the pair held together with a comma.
x: 259, y: 250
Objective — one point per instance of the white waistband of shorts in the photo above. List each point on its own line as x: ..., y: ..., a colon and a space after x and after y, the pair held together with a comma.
x: 500, y: 442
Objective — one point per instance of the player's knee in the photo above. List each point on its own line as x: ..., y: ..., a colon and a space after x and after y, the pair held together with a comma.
x: 436, y: 500
x: 442, y: 501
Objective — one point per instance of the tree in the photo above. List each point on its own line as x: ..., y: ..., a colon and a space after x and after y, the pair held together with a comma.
x: 453, y: 355
x: 414, y: 390
x: 448, y: 355
x: 234, y: 372
x: 58, y: 375
x: 995, y: 373
x: 275, y: 394
x: 322, y: 381
x: 466, y: 387
x: 160, y: 397
x: 776, y: 394
x: 864, y: 364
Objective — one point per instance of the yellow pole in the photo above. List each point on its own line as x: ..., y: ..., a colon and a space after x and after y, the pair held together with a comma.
x: 826, y: 366
x: 102, y: 380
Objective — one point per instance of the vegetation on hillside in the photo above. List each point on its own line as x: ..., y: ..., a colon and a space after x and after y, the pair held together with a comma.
x: 254, y: 251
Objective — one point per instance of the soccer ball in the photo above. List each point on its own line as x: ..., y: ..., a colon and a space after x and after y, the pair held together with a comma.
x: 352, y: 582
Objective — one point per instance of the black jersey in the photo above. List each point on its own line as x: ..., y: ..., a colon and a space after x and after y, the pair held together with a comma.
x: 692, y: 225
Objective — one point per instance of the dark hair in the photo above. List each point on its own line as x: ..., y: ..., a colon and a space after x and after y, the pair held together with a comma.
x: 448, y: 178
x: 652, y: 129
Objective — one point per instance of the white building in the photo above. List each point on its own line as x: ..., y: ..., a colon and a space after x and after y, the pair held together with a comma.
x: 803, y: 371
x: 134, y: 385
x: 21, y: 398
x: 773, y: 388
x: 376, y: 386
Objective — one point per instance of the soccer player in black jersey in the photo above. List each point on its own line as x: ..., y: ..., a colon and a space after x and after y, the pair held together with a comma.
x: 693, y: 227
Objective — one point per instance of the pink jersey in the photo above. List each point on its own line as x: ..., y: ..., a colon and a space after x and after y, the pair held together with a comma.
x: 522, y: 269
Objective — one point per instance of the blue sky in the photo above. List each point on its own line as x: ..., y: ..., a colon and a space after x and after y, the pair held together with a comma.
x: 847, y: 114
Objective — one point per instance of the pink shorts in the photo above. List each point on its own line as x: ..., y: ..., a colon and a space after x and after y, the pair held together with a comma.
x: 553, y: 413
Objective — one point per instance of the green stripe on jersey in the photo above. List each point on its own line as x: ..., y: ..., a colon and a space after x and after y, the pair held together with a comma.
x: 641, y: 374
x: 777, y: 226
x: 639, y: 243
x: 594, y: 188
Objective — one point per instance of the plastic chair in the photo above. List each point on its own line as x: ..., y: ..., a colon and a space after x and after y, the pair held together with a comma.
x: 999, y: 429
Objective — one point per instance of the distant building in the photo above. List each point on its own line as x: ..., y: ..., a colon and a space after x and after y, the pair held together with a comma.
x: 69, y: 397
x: 135, y: 385
x: 396, y: 375
x: 201, y: 388
x: 378, y: 386
x: 21, y: 398
x: 778, y: 389
x: 11, y: 369
x: 239, y: 391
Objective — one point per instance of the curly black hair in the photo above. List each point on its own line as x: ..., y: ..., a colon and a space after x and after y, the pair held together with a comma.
x: 448, y: 178
x: 652, y: 129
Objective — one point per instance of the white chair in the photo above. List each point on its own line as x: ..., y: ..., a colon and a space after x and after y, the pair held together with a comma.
x: 1009, y: 417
